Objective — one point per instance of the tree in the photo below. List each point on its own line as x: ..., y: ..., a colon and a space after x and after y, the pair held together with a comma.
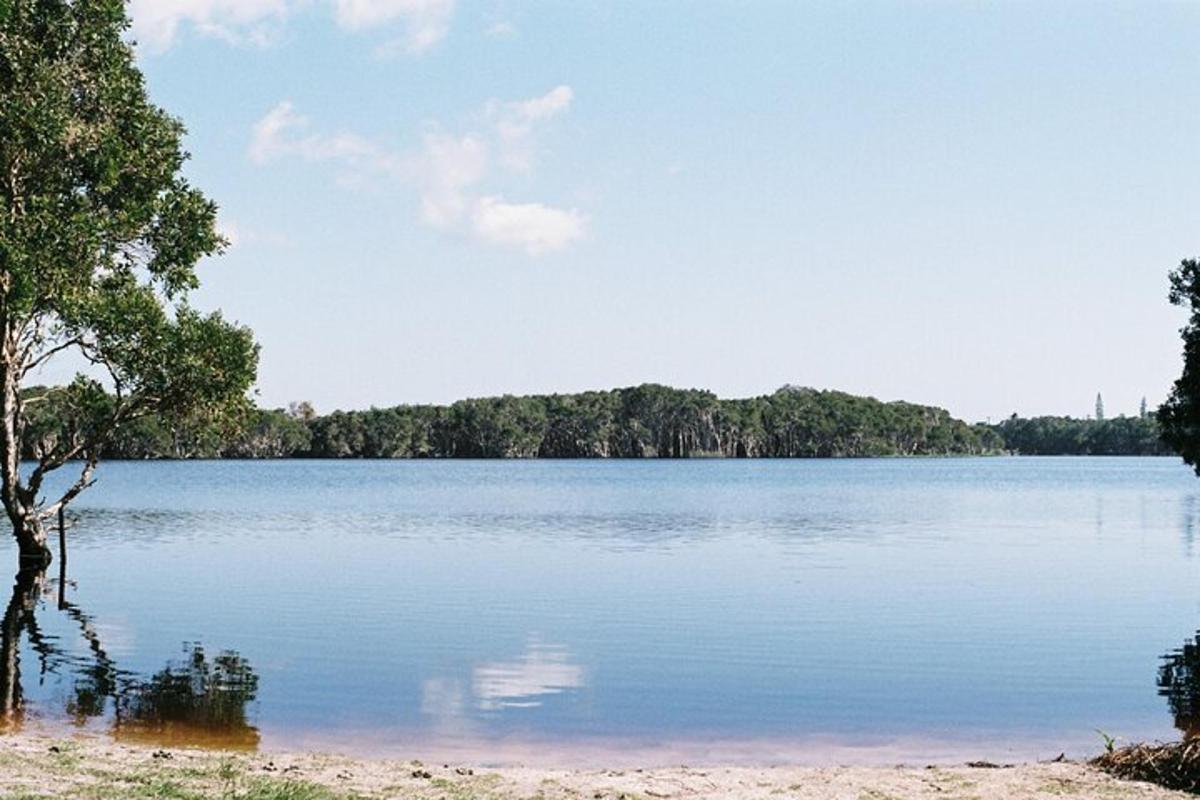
x: 268, y: 434
x: 100, y: 235
x: 648, y: 421
x: 1179, y: 416
x: 302, y: 411
x: 1099, y: 408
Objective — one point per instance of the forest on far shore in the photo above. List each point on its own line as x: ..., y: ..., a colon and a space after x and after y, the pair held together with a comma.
x: 647, y: 421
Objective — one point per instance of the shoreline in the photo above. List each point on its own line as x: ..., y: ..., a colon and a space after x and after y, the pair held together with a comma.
x: 526, y: 749
x: 649, y: 753
x: 46, y: 768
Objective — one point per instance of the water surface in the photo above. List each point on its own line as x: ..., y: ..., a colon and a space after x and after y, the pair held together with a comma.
x: 775, y: 610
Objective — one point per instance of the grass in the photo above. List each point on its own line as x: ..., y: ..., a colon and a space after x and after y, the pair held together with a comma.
x: 148, y: 787
x: 271, y: 789
x: 61, y: 772
x: 47, y: 770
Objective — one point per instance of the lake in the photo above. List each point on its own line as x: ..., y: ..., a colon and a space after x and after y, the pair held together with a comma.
x: 570, y: 611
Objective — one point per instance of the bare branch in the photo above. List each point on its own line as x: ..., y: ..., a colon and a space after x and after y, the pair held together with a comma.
x: 76, y: 341
x: 86, y: 479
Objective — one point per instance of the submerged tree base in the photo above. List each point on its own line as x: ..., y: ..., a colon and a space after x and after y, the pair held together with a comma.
x: 1175, y: 765
x: 36, y: 560
x: 34, y: 552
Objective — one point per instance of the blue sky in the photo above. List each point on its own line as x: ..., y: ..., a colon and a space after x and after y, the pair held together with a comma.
x: 970, y: 205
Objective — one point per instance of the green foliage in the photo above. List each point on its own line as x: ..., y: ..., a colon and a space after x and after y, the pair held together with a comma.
x: 100, y: 234
x: 56, y: 414
x: 1179, y: 416
x: 1062, y: 436
x: 650, y: 421
x: 267, y: 433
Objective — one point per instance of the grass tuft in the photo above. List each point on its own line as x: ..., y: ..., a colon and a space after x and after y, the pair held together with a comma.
x: 273, y: 789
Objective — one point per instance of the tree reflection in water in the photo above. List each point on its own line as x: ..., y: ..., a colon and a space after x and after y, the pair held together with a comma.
x: 1179, y: 682
x: 196, y: 700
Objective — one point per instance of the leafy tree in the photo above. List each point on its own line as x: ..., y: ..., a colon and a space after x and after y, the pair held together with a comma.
x: 1046, y: 436
x: 302, y: 410
x: 99, y: 238
x: 650, y: 421
x: 1179, y: 416
x: 269, y: 434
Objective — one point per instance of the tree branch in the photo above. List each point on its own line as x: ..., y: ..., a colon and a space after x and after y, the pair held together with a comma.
x: 29, y: 367
x: 85, y: 480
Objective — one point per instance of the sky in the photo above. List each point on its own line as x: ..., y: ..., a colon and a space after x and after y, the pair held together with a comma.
x: 971, y: 205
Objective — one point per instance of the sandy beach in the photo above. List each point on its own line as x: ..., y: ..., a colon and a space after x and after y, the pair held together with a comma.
x: 43, y: 767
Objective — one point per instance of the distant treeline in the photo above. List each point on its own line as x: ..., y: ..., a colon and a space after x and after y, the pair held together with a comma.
x: 1067, y: 436
x: 648, y: 421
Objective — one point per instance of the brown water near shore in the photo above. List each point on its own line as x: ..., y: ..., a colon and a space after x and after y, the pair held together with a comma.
x: 586, y: 753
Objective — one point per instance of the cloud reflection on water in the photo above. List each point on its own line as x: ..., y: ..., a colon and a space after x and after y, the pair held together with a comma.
x: 542, y: 670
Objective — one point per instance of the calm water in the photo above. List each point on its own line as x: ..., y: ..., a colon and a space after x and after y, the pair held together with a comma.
x: 680, y: 608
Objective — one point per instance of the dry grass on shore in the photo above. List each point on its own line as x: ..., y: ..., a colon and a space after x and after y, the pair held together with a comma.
x: 36, y: 768
x: 1175, y: 765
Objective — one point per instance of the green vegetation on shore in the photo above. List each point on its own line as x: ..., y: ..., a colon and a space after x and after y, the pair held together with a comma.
x: 651, y: 421
x: 1180, y: 415
x: 648, y: 421
x: 1068, y: 436
x: 100, y: 235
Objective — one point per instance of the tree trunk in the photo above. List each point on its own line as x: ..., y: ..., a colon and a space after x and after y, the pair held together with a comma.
x: 31, y: 541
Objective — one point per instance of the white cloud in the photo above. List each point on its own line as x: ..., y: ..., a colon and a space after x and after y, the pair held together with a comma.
x: 449, y: 172
x: 448, y: 167
x: 230, y: 231
x: 533, y: 227
x: 239, y: 235
x: 157, y: 23
x: 426, y: 22
x: 546, y: 106
x: 268, y: 140
x: 514, y: 123
x: 283, y: 132
x: 501, y: 30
